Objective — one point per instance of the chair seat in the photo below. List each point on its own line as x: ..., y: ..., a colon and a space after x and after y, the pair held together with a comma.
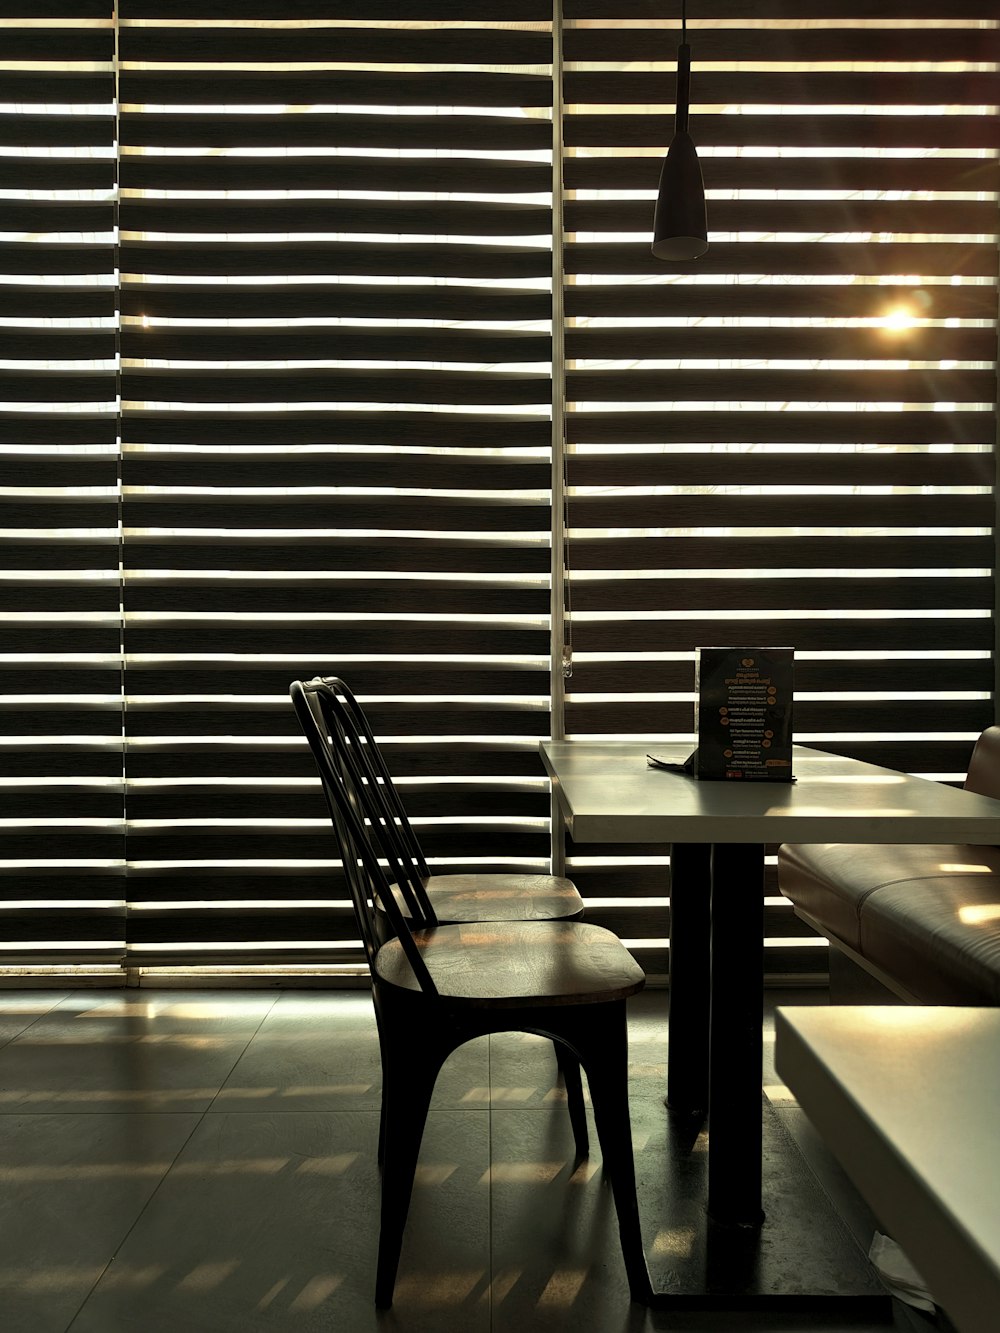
x: 499, y: 897
x: 514, y: 964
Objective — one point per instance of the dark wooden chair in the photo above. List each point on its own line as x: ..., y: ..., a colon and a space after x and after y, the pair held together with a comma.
x: 448, y: 900
x: 435, y: 987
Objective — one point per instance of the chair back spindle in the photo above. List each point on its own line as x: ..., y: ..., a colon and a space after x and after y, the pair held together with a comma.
x: 401, y: 824
x: 321, y: 713
x: 380, y: 812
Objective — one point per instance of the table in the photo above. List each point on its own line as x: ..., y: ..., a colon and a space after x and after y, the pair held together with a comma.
x: 717, y: 832
x: 908, y: 1100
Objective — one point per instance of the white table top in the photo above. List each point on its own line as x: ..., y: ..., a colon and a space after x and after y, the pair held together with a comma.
x: 607, y: 793
x: 909, y: 1100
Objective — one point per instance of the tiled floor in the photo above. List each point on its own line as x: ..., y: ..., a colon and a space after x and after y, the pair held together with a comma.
x: 181, y: 1162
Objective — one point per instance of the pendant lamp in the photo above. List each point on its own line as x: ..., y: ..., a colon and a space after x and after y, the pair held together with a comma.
x: 680, y: 229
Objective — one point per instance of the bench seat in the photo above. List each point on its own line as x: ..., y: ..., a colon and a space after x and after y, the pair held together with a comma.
x: 923, y: 920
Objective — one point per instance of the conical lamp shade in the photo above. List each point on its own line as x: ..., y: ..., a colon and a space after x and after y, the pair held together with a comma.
x: 680, y: 226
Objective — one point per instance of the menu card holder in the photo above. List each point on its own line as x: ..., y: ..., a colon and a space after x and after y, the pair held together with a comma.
x: 744, y: 714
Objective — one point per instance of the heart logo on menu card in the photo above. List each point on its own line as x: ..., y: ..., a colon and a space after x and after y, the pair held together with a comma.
x: 748, y: 661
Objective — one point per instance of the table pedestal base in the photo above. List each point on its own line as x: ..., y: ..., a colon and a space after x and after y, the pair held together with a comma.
x: 803, y: 1258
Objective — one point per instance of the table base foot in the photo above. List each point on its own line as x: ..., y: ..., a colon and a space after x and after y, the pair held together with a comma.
x: 801, y: 1251
x: 834, y: 1311
x: 750, y: 1223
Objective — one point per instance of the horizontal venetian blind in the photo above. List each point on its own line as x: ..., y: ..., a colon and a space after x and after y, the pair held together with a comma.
x: 336, y: 235
x: 790, y: 440
x: 61, y: 823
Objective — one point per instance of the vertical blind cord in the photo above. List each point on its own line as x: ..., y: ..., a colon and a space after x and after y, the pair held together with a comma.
x: 567, y: 651
x: 119, y: 452
x: 561, y: 628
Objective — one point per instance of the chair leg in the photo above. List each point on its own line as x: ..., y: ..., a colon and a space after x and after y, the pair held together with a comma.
x: 381, y: 1130
x: 569, y: 1067
x: 381, y: 1108
x: 409, y: 1070
x: 604, y: 1055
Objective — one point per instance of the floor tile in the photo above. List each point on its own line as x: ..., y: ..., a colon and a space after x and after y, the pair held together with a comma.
x: 556, y: 1260
x: 19, y: 1009
x: 169, y: 1011
x: 314, y: 1053
x: 71, y: 1186
x: 524, y: 1074
x: 128, y: 1052
x: 320, y: 1053
x: 857, y: 1216
x: 269, y: 1221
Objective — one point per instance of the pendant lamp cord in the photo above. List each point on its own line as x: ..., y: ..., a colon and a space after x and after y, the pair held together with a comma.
x: 684, y: 20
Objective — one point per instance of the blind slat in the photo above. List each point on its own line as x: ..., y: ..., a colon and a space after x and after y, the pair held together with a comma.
x: 833, y: 550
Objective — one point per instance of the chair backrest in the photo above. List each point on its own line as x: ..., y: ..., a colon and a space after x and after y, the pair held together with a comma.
x: 326, y: 727
x: 381, y: 802
x: 408, y: 846
x: 984, y: 766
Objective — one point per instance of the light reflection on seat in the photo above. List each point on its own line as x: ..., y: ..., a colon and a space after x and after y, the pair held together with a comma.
x: 978, y: 914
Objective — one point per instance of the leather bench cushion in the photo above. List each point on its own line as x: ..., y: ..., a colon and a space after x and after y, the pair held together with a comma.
x: 939, y: 936
x: 832, y: 882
